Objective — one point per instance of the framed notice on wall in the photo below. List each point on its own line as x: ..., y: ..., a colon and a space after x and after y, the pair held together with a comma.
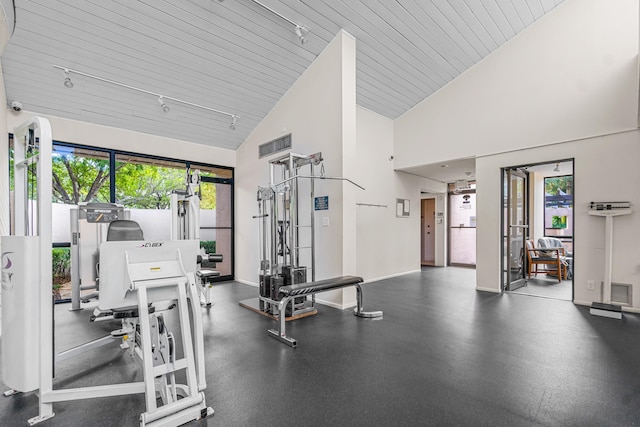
x: 402, y: 208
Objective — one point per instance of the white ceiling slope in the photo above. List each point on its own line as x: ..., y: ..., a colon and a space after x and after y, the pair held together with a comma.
x: 237, y: 57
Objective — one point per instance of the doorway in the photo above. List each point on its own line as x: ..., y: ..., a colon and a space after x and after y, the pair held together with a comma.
x: 515, y: 227
x: 538, y: 214
x: 462, y: 224
x: 428, y: 232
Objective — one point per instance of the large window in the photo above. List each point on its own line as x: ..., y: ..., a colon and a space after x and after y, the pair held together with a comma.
x: 558, y: 206
x: 143, y: 185
x: 79, y: 175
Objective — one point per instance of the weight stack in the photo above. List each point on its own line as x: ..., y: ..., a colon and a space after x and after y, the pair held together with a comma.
x: 265, y: 290
x: 292, y: 277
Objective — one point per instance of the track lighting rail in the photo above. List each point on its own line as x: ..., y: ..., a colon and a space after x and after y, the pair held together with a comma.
x: 161, y: 98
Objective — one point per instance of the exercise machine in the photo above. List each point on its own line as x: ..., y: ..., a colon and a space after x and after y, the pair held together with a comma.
x: 185, y: 224
x: 140, y: 283
x: 89, y: 222
x: 608, y: 210
x: 287, y: 244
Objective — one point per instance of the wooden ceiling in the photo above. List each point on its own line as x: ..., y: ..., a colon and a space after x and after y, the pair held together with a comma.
x: 237, y: 57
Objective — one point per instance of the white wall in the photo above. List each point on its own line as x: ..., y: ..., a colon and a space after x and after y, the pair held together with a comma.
x: 605, y: 170
x: 319, y: 112
x: 572, y: 74
x: 386, y: 245
x: 73, y: 131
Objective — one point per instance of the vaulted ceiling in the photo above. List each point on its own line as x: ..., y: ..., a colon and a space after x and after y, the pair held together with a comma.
x: 238, y: 57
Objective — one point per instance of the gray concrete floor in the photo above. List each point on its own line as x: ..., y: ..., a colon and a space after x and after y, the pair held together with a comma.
x: 443, y: 354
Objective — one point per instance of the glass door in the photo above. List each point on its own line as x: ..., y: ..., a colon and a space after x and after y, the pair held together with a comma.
x: 515, y: 228
x: 462, y: 228
x: 216, y: 217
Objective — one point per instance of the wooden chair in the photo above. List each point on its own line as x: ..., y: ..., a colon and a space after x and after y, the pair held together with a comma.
x: 565, y: 255
x: 546, y: 257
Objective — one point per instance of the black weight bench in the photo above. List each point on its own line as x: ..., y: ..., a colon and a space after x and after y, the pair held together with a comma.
x: 288, y: 293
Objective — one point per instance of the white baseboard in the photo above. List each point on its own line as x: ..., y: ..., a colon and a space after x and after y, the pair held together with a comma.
x: 334, y: 305
x: 377, y: 279
x: 246, y: 282
x: 578, y: 302
x: 624, y: 308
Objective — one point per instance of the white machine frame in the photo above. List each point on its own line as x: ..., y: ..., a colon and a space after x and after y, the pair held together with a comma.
x: 85, y: 244
x: 185, y: 224
x: 153, y: 271
x: 185, y: 210
x: 287, y: 245
x: 608, y: 210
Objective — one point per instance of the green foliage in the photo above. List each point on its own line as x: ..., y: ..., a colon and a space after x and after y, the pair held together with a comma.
x: 559, y: 221
x: 147, y: 186
x: 209, y: 246
x: 61, y: 265
x: 207, y: 195
x: 561, y: 183
x: 79, y: 179
x: 11, y: 162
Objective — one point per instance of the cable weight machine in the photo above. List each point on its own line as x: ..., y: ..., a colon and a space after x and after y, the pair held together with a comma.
x: 287, y: 250
x: 287, y: 233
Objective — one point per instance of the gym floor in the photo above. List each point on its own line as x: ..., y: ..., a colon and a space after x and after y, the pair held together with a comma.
x: 443, y: 354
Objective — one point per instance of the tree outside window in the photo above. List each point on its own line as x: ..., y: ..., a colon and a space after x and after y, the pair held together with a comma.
x: 558, y: 206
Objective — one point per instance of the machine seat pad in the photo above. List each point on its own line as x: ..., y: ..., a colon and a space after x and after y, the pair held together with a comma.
x: 320, y: 285
x: 207, y: 273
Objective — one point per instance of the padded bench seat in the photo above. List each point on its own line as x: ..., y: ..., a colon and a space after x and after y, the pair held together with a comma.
x: 290, y: 292
x: 319, y: 286
x: 207, y: 274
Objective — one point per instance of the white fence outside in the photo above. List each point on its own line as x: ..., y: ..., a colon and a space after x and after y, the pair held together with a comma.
x: 155, y: 223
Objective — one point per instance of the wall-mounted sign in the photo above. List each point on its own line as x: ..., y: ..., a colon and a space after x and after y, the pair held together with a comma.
x: 402, y: 208
x: 321, y: 203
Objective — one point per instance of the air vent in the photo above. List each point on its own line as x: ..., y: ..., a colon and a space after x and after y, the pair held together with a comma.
x: 621, y: 293
x: 280, y: 144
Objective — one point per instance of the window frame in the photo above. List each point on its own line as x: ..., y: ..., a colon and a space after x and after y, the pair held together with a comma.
x: 547, y: 226
x: 113, y: 153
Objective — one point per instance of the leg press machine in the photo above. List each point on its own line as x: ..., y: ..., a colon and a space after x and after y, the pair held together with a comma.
x: 141, y: 283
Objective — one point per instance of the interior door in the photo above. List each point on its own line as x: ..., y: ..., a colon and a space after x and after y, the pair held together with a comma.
x: 428, y: 231
x: 515, y: 228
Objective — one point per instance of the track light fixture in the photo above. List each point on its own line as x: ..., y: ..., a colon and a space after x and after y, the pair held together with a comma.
x: 299, y: 30
x: 161, y: 98
x: 164, y: 106
x: 67, y: 80
x: 300, y: 35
